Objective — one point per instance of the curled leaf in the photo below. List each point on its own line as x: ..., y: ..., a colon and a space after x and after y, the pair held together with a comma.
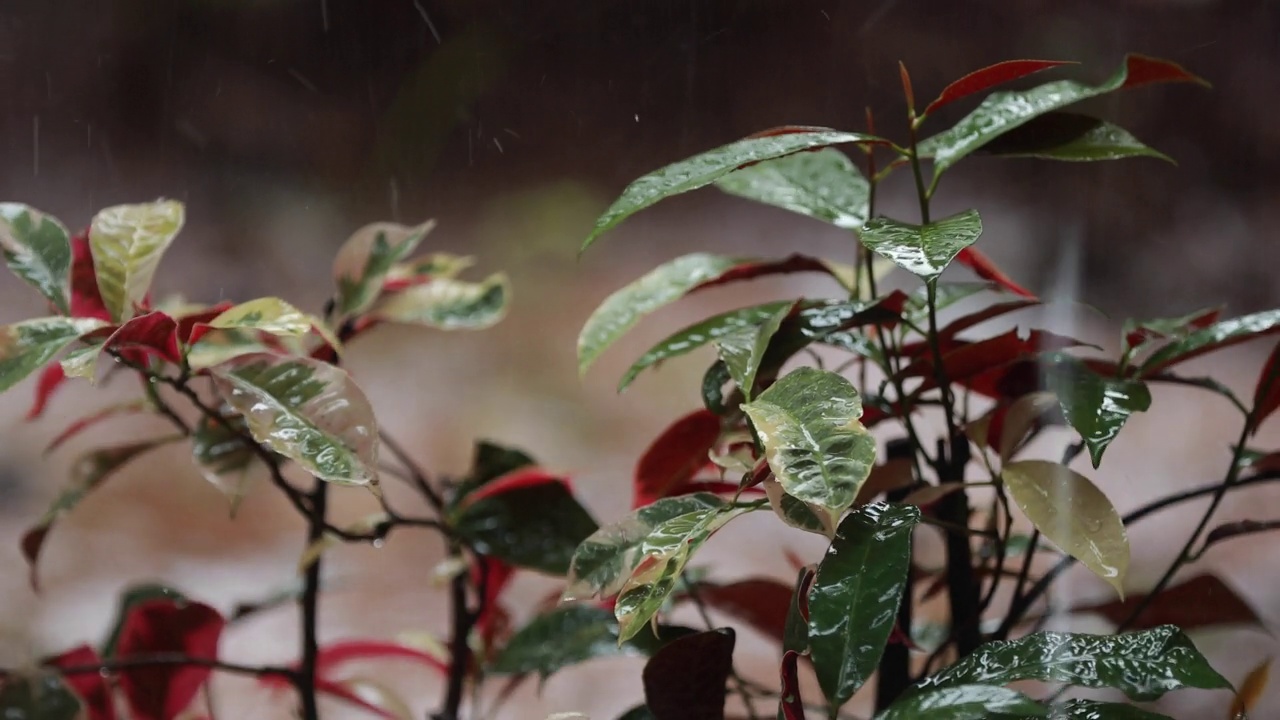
x: 367, y: 257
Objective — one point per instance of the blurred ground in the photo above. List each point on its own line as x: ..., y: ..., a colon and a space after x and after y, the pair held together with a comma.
x: 285, y: 125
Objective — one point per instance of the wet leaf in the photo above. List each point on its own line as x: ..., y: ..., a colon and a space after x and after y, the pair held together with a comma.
x: 686, y: 678
x: 963, y: 702
x: 923, y: 250
x: 1096, y: 710
x: 365, y: 259
x: 139, y: 340
x: 1094, y: 405
x: 855, y: 596
x: 989, y: 77
x: 675, y: 457
x: 127, y: 242
x: 222, y: 456
x: 790, y: 704
x: 823, y: 184
x: 448, y: 304
x: 566, y: 636
x: 28, y: 345
x: 161, y: 692
x: 815, y: 446
x: 37, y: 248
x: 1072, y: 138
x: 706, y: 168
x: 1137, y: 335
x: 743, y: 351
x: 1073, y: 514
x: 799, y: 514
x: 1214, y: 337
x: 306, y: 410
x: 1255, y: 683
x: 537, y: 526
x: 37, y: 696
x: 1142, y: 665
x: 1004, y: 111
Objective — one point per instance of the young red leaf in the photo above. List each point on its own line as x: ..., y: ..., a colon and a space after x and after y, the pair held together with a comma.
x: 1266, y: 394
x: 91, y: 687
x: 86, y: 300
x: 161, y: 692
x: 761, y: 603
x: 152, y: 334
x: 187, y: 324
x: 675, y: 456
x: 959, y: 325
x: 757, y: 268
x: 989, y: 77
x: 522, y: 478
x: 1144, y: 70
x: 983, y: 267
x: 1202, y: 601
x: 790, y: 704
x: 51, y: 378
x: 969, y: 360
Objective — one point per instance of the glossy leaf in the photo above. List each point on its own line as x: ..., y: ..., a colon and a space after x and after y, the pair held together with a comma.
x: 963, y: 702
x: 139, y: 340
x: 797, y: 513
x: 989, y: 77
x: 1072, y: 138
x: 448, y: 304
x: 87, y: 473
x: 686, y: 678
x: 1142, y: 665
x: 855, y: 596
x: 365, y: 259
x: 37, y: 696
x: 162, y: 692
x: 538, y: 526
x: 923, y: 250
x: 823, y: 184
x: 127, y: 242
x: 706, y: 168
x: 1214, y: 337
x: 815, y: 446
x: 211, y: 347
x: 674, y: 457
x: 566, y: 636
x: 743, y: 351
x: 306, y: 410
x: 1004, y: 111
x: 222, y: 456
x: 1096, y: 710
x: 1094, y: 405
x: 26, y: 346
x: 37, y: 248
x: 1073, y: 514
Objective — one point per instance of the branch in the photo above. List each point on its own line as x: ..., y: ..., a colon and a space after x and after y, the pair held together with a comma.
x: 161, y: 659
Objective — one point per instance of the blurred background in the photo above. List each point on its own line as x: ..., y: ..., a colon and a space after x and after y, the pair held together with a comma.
x: 287, y: 124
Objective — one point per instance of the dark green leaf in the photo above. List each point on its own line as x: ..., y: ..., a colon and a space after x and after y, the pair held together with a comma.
x: 963, y: 702
x: 824, y: 184
x: 1218, y: 335
x: 1096, y: 406
x: 566, y: 636
x: 41, y: 696
x: 37, y: 248
x: 1070, y: 137
x: 1096, y: 710
x: 686, y: 679
x: 713, y: 388
x: 743, y: 351
x: 639, y: 712
x: 1143, y: 665
x: 923, y: 250
x: 536, y: 527
x: 704, y: 169
x: 489, y: 462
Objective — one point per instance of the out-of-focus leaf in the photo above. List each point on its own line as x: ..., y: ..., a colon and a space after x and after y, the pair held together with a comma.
x: 989, y: 312
x: 365, y: 259
x: 855, y: 596
x: 127, y: 242
x: 963, y: 702
x: 88, y: 472
x: 50, y: 379
x: 222, y: 455
x: 86, y: 300
x: 90, y: 687
x: 130, y: 598
x: 713, y: 381
x: 706, y: 168
x: 989, y: 77
x: 161, y: 692
x: 979, y: 365
x: 1236, y: 529
x: 985, y: 268
x: 37, y: 248
x: 538, y: 526
x: 675, y: 456
x: 744, y: 350
x: 88, y: 421
x: 1137, y: 335
x: 808, y: 424
x: 37, y: 696
x: 922, y: 250
x: 211, y: 347
x: 686, y: 678
x: 790, y: 704
x: 1096, y: 406
x: 26, y: 346
x: 448, y: 304
x: 761, y: 603
x: 1255, y: 683
x: 306, y: 410
x: 426, y: 268
x: 489, y: 462
x: 1011, y: 425
x: 1073, y: 514
x: 796, y: 634
x: 563, y: 637
x: 1214, y: 337
x: 1266, y: 393
x: 823, y: 184
x: 1072, y: 138
x: 138, y: 340
x: 1143, y: 665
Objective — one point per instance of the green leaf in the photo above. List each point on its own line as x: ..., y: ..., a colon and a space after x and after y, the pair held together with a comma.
x: 39, y: 696
x: 1096, y: 406
x: 1217, y: 335
x: 603, y: 562
x: 26, y: 346
x: 447, y: 304
x: 366, y: 258
x: 565, y: 636
x: 855, y: 596
x: 1070, y: 137
x: 639, y: 712
x: 269, y: 314
x: 663, y: 554
x: 1142, y: 665
x: 923, y: 250
x: 704, y: 169
x: 127, y: 242
x: 1073, y: 514
x: 1095, y: 710
x: 699, y: 334
x: 713, y: 381
x: 218, y: 346
x: 536, y: 527
x: 823, y: 184
x: 489, y: 462
x: 808, y: 424
x: 1001, y: 112
x: 222, y: 456
x: 796, y: 513
x: 37, y: 248
x: 743, y: 351
x: 306, y: 410
x: 963, y: 702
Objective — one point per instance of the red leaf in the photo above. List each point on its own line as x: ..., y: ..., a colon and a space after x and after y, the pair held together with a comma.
x: 960, y: 324
x: 514, y: 480
x: 91, y: 687
x: 1266, y: 396
x: 154, y: 333
x: 989, y: 77
x: 982, y: 266
x: 761, y: 603
x: 50, y: 379
x: 790, y: 703
x: 1143, y: 70
x: 1201, y: 321
x: 161, y: 692
x: 494, y: 575
x: 88, y: 421
x: 187, y: 324
x: 1202, y: 601
x: 970, y: 363
x: 756, y: 268
x: 334, y: 654
x: 86, y: 300
x: 678, y: 453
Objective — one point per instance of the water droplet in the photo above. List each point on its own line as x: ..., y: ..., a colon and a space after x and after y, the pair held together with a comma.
x: 379, y: 543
